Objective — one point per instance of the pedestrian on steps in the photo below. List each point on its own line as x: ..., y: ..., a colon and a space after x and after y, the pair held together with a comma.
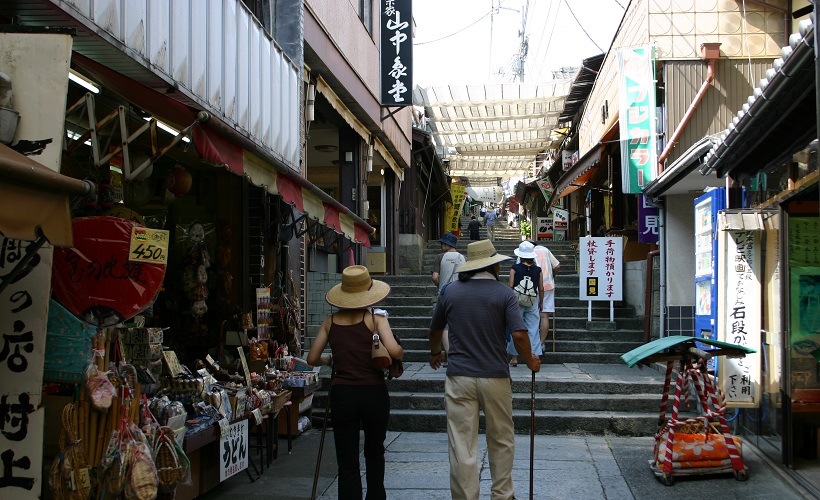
x: 444, y: 273
x: 477, y: 309
x: 529, y: 305
x: 358, y: 393
x: 489, y: 220
x: 549, y: 265
x: 474, y: 227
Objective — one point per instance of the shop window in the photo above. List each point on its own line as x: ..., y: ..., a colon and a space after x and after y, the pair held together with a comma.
x: 366, y: 14
x: 776, y: 182
x: 374, y: 214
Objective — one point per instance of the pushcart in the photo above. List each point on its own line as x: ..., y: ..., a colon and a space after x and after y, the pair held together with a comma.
x: 701, y: 444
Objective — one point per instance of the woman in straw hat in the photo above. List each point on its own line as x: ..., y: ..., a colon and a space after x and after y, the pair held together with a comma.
x: 358, y: 393
x: 478, y: 309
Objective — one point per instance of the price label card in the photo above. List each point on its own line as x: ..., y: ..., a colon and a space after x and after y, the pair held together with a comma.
x: 257, y: 415
x: 148, y: 245
x: 223, y: 427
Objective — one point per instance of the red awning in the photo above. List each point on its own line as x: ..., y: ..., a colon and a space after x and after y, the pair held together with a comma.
x: 214, y: 144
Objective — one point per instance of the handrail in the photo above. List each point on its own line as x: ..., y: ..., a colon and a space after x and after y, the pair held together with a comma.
x: 647, y: 313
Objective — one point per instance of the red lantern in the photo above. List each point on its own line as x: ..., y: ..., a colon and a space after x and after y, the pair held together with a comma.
x: 180, y: 181
x: 96, y: 281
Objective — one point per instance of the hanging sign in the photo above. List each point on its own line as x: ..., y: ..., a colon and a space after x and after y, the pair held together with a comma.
x: 397, y: 53
x: 568, y: 159
x: 148, y: 245
x: 601, y: 271
x: 233, y: 449
x: 452, y: 222
x: 639, y: 149
x: 544, y: 229
x: 547, y: 189
x: 739, y: 317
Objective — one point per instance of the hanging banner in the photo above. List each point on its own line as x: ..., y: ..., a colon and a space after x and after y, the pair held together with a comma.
x: 739, y: 316
x: 452, y: 221
x: 547, y: 189
x: 601, y: 271
x: 568, y: 159
x: 487, y: 194
x: 34, y: 78
x: 647, y: 221
x: 639, y: 149
x: 397, y: 53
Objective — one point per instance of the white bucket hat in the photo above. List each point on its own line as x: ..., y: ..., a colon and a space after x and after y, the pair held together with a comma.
x: 526, y: 250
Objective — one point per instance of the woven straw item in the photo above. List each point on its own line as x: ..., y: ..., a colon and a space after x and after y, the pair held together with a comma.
x: 165, y: 458
x: 357, y: 289
x: 142, y: 478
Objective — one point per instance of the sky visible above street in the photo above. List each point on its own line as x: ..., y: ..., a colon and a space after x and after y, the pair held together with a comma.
x: 469, y: 42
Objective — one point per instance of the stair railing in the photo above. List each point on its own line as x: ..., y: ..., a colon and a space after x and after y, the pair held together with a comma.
x: 650, y: 287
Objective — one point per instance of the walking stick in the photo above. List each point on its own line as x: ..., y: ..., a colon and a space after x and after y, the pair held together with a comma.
x: 321, y: 443
x: 553, y: 331
x: 532, y: 433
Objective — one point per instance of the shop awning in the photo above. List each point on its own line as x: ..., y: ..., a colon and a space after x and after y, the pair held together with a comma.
x: 778, y: 119
x: 294, y: 189
x: 673, y: 176
x: 219, y: 144
x: 585, y: 171
x: 33, y: 196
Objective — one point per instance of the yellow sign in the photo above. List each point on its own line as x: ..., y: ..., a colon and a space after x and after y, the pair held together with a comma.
x: 148, y: 245
x: 453, y: 214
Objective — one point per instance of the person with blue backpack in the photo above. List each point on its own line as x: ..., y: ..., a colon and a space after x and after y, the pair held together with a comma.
x: 526, y: 282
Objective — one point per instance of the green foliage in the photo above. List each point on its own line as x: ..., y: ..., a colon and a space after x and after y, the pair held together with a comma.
x: 525, y: 228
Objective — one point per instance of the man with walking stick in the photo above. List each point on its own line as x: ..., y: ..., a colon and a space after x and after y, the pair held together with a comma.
x: 477, y: 308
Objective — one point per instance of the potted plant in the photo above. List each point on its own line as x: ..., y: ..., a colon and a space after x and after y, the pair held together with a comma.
x: 525, y: 230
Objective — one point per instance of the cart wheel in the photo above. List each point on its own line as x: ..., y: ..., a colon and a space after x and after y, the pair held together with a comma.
x: 741, y: 475
x: 667, y: 480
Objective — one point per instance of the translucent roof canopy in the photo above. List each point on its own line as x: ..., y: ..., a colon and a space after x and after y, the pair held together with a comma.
x: 497, y: 129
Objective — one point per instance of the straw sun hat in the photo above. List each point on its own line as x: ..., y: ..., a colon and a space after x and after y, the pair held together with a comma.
x: 481, y: 254
x: 357, y: 289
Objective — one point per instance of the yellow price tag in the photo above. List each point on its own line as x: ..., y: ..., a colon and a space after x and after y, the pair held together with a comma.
x: 148, y: 245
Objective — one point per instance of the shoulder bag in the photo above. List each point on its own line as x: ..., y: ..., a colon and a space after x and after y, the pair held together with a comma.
x: 379, y: 357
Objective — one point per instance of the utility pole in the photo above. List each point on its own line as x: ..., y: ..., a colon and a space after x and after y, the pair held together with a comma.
x: 522, y: 51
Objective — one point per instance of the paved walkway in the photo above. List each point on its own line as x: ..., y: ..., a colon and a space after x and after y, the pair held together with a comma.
x: 564, y: 467
x: 582, y: 467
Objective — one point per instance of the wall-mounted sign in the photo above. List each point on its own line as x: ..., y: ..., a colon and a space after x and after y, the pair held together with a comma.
x: 568, y: 159
x: 647, y: 221
x: 639, y: 148
x: 544, y: 231
x: 601, y: 271
x: 397, y: 53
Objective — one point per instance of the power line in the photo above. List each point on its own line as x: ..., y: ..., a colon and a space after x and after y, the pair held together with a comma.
x: 619, y: 4
x: 582, y: 26
x: 457, y: 32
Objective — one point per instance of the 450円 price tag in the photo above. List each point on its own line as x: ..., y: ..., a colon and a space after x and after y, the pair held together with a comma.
x: 148, y: 245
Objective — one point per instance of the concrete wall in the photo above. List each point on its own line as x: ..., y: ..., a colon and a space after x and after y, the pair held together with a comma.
x: 680, y: 249
x: 634, y: 285
x: 411, y: 253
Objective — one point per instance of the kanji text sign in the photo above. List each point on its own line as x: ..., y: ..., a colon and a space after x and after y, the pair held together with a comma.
x: 601, y: 271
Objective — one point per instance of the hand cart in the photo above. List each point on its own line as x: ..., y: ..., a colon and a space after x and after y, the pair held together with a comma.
x: 702, y: 444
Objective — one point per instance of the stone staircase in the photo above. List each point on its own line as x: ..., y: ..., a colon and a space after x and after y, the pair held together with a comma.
x: 602, y: 398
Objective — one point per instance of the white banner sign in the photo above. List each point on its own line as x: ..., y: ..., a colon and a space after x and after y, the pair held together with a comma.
x: 601, y: 272
x: 233, y: 450
x: 487, y: 194
x: 37, y: 67
x: 739, y: 316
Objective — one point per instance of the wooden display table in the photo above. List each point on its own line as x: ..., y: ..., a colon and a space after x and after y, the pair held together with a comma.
x: 301, y: 404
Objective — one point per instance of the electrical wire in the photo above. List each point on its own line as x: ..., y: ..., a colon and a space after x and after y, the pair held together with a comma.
x: 456, y: 32
x: 582, y: 27
x: 619, y: 4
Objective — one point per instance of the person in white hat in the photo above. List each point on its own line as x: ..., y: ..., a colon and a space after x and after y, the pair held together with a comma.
x: 526, y: 276
x: 358, y: 393
x: 478, y: 308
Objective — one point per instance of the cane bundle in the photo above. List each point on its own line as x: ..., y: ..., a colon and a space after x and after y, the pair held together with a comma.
x: 69, y: 477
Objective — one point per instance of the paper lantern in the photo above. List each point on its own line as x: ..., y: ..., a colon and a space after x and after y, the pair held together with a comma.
x: 180, y: 181
x: 96, y: 281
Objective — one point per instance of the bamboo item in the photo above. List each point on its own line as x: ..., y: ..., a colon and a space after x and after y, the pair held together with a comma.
x: 74, y: 470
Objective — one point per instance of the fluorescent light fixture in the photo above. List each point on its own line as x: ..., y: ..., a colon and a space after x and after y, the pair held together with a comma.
x: 74, y: 136
x: 171, y: 130
x: 83, y: 81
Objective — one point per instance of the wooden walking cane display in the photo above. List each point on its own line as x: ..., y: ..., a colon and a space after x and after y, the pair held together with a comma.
x: 321, y: 443
x: 532, y: 433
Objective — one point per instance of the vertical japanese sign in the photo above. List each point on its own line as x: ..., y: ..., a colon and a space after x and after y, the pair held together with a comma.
x: 568, y: 159
x: 233, y: 449
x: 37, y: 66
x: 560, y: 223
x: 739, y: 318
x: 547, y: 189
x: 544, y: 229
x: 647, y: 221
x: 396, y: 53
x: 453, y: 213
x: 636, y: 73
x: 601, y: 271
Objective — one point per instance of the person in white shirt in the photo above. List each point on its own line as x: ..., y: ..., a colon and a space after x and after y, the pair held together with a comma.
x: 444, y: 273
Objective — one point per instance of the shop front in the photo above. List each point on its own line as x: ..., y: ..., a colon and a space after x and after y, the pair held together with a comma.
x: 771, y: 229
